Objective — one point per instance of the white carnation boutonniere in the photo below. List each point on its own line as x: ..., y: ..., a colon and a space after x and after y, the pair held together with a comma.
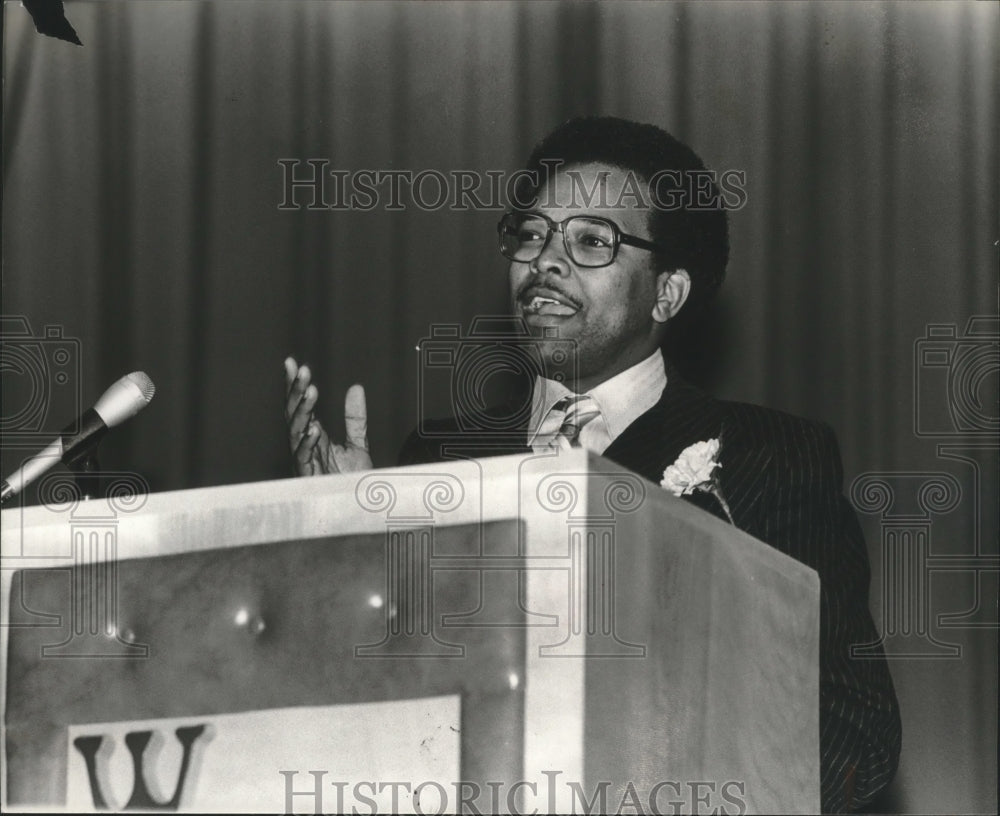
x: 695, y: 470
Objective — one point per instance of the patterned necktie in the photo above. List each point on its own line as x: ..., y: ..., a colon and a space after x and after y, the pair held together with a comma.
x: 579, y: 409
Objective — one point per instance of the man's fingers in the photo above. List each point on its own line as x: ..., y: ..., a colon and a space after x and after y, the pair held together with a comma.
x: 310, y: 445
x: 356, y: 417
x: 293, y: 385
x: 291, y: 369
x: 298, y: 384
x: 305, y: 451
x: 302, y: 415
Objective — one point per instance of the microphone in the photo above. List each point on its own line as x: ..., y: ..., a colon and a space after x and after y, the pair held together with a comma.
x: 121, y: 401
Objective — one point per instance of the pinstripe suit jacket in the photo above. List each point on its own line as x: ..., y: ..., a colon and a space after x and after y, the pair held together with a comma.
x: 781, y: 476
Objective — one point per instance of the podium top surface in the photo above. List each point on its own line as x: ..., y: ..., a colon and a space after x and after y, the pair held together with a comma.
x: 453, y: 492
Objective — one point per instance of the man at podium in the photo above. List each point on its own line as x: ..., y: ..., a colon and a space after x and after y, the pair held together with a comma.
x: 619, y: 233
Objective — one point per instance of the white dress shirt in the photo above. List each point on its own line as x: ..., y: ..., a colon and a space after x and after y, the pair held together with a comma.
x: 621, y: 400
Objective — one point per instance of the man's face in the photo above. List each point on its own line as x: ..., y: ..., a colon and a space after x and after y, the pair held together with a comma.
x: 607, y: 311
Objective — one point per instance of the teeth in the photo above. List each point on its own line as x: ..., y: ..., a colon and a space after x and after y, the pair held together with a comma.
x: 539, y: 304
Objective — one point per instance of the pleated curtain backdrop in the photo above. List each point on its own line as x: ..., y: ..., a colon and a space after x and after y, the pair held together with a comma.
x: 142, y: 187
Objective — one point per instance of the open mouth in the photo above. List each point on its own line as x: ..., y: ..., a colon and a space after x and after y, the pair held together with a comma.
x: 548, y: 304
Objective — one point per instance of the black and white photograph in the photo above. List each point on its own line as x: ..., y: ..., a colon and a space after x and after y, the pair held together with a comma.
x: 500, y: 406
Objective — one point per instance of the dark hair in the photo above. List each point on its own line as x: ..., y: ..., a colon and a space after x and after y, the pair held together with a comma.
x: 693, y: 239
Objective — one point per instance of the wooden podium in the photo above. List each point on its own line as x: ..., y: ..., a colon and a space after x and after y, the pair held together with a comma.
x: 540, y: 632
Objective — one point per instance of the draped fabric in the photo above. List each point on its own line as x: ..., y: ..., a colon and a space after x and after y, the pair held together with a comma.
x: 143, y: 184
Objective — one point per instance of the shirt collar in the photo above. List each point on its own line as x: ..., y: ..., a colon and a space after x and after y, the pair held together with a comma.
x: 622, y: 399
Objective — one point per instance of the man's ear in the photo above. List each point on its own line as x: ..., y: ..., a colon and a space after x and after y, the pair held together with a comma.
x: 672, y: 290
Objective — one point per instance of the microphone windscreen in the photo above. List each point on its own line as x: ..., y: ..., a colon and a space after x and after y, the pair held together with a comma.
x: 125, y: 398
x: 141, y: 379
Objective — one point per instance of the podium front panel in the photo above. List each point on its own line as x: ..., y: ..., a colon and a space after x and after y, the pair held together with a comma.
x: 295, y: 624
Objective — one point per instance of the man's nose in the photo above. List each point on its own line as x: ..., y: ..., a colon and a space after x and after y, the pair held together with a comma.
x: 552, y: 259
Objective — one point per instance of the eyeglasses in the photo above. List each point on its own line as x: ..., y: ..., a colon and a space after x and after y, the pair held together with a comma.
x: 589, y: 241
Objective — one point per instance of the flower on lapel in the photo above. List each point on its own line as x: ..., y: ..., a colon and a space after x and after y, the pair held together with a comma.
x: 694, y: 470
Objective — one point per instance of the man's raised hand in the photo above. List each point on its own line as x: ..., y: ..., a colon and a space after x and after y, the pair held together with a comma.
x: 312, y: 448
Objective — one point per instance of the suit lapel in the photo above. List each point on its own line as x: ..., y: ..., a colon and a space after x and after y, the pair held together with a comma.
x: 685, y: 415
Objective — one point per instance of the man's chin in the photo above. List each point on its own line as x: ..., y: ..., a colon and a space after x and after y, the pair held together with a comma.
x: 554, y: 343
